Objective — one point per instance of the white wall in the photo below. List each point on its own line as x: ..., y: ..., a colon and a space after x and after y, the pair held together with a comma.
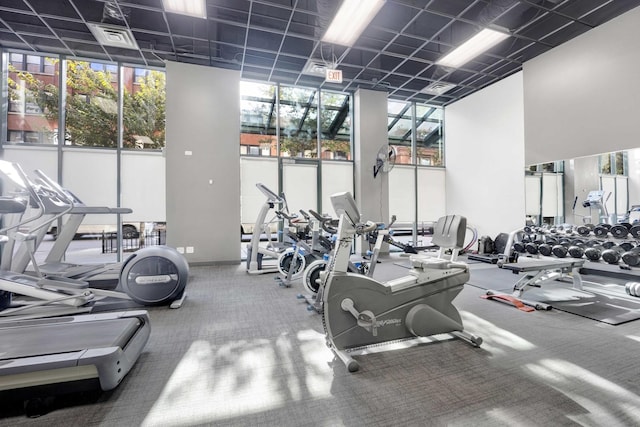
x: 485, y: 157
x: 581, y: 98
x: 203, y: 162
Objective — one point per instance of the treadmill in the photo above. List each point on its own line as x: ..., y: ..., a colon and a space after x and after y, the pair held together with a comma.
x: 55, y: 354
x: 46, y: 357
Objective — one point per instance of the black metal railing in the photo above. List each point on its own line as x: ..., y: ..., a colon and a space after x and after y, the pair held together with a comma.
x: 132, y: 244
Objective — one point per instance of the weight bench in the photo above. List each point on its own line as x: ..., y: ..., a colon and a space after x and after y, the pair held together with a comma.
x: 537, y: 273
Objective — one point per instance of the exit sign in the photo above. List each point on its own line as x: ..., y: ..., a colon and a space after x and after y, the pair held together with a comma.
x: 334, y: 76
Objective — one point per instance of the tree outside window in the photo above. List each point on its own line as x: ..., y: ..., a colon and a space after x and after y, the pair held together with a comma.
x: 92, y: 104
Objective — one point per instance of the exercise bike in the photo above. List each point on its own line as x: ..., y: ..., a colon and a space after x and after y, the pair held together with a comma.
x: 315, y: 271
x: 359, y: 311
x: 293, y: 262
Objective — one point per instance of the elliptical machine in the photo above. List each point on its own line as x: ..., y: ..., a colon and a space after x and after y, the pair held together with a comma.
x: 359, y: 311
x: 155, y: 275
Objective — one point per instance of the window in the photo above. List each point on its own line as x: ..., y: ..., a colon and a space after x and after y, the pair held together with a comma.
x: 429, y: 141
x: 258, y: 119
x: 399, y: 130
x: 614, y: 163
x: 34, y: 63
x: 139, y: 75
x: 144, y: 108
x: 298, y: 122
x: 31, y: 137
x: 92, y: 105
x: 32, y: 88
x: 335, y: 126
x: 17, y: 61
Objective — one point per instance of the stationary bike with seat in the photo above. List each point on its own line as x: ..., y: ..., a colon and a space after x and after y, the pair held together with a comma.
x: 360, y: 311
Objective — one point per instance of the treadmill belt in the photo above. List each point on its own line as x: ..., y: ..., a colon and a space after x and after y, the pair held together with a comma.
x: 45, y: 338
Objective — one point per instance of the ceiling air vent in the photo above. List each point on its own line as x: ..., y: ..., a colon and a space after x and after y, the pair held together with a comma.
x: 315, y: 68
x: 438, y: 88
x: 112, y: 35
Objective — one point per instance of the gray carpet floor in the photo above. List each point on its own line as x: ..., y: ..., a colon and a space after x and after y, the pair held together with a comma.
x: 244, y: 352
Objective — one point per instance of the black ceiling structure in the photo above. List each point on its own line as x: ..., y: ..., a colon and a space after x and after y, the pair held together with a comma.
x: 277, y: 40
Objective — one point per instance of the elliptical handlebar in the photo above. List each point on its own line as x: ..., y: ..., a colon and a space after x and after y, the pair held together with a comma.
x: 271, y: 196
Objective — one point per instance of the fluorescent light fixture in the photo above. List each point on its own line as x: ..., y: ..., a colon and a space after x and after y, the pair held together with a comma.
x: 351, y: 19
x: 473, y: 47
x: 196, y: 8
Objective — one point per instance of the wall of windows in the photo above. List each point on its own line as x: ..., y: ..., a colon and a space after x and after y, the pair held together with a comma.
x: 90, y: 99
x: 286, y: 118
x: 306, y: 133
x: 416, y: 194
x: 86, y: 116
x: 405, y: 119
x: 111, y: 118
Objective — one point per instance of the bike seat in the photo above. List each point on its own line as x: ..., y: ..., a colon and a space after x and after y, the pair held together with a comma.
x: 425, y: 262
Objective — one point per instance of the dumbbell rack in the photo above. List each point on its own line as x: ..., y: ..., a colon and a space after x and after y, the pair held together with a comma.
x: 614, y: 250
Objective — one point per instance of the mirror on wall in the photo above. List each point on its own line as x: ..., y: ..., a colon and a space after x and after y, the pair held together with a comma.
x: 585, y: 190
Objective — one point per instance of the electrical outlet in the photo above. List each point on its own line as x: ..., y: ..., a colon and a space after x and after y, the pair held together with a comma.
x: 190, y: 249
x: 180, y: 249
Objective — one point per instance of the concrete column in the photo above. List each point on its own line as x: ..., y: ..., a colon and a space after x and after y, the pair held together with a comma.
x: 370, y: 133
x: 203, y: 162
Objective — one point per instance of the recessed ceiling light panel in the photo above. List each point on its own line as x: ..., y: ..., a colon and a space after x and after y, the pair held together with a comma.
x: 195, y: 8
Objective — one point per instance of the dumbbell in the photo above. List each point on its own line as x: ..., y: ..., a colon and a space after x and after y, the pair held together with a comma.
x: 620, y: 231
x: 635, y: 231
x: 593, y: 253
x: 545, y: 249
x: 601, y: 230
x: 613, y: 254
x: 633, y: 289
x: 585, y: 230
x: 576, y: 251
x: 531, y: 248
x: 560, y: 250
x: 632, y: 257
x: 627, y: 246
x: 519, y: 247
